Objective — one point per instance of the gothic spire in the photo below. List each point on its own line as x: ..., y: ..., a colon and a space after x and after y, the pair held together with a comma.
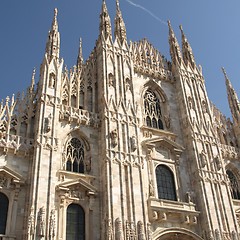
x: 80, y: 55
x: 187, y: 52
x: 53, y: 42
x: 174, y: 46
x: 232, y: 99
x: 33, y: 79
x: 120, y: 29
x: 105, y: 22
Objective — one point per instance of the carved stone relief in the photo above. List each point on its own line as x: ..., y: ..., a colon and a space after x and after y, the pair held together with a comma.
x: 118, y: 229
x: 114, y: 137
x: 41, y: 223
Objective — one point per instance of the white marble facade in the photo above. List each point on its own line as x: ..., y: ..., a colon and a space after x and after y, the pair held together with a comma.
x: 126, y: 140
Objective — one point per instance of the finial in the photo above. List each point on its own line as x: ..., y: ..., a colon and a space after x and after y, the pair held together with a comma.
x: 117, y: 4
x: 55, y: 12
x: 224, y: 72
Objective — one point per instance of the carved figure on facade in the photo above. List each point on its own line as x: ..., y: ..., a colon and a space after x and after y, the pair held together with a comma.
x: 149, y: 231
x: 188, y: 197
x: 118, y: 229
x: 203, y: 159
x: 48, y: 123
x: 205, y: 112
x: 167, y: 121
x: 133, y: 141
x: 52, y: 80
x: 88, y: 162
x: 114, y: 137
x: 218, y: 163
x: 111, y: 80
x: 52, y: 225
x: 217, y: 234
x: 127, y: 84
x: 41, y: 223
x: 234, y: 235
x: 151, y: 189
x: 140, y: 229
x: 109, y: 230
x: 192, y: 111
x: 31, y: 227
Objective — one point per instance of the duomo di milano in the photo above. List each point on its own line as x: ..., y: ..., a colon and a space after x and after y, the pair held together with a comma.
x: 124, y: 146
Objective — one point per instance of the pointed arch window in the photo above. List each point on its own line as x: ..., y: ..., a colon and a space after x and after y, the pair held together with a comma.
x: 234, y: 185
x: 152, y: 110
x: 75, y: 156
x: 165, y: 183
x: 75, y: 228
x: 3, y: 212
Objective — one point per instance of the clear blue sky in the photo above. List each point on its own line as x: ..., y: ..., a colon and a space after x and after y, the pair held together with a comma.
x: 212, y: 28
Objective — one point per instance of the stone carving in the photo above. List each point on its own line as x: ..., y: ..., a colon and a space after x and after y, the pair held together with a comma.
x: 88, y: 162
x: 109, y: 230
x: 111, y: 81
x: 52, y: 80
x: 167, y: 121
x: 31, y: 227
x: 130, y: 231
x: 52, y: 222
x: 118, y: 229
x: 41, y: 222
x: 210, y: 235
x: 151, y: 189
x: 114, y: 137
x: 188, y: 197
x: 203, y: 159
x: 217, y: 234
x: 149, y: 232
x: 234, y: 235
x: 140, y: 228
x: 218, y: 163
x: 48, y: 123
x: 4, y: 182
x: 133, y: 141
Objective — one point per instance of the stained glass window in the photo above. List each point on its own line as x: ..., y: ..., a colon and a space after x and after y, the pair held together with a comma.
x: 75, y: 229
x: 165, y: 183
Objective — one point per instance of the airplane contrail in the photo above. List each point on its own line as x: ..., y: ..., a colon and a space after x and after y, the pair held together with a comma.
x: 148, y: 11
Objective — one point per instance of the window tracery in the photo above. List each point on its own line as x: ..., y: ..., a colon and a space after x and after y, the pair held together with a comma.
x: 234, y: 185
x: 152, y: 110
x: 165, y: 183
x: 75, y: 156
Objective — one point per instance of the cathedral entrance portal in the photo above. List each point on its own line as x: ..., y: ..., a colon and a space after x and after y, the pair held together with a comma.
x: 176, y: 236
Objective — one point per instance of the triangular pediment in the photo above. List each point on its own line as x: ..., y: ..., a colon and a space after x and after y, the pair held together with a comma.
x: 164, y: 143
x: 78, y: 182
x: 10, y: 174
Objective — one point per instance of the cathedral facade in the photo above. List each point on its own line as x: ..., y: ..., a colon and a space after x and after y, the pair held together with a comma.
x: 123, y: 146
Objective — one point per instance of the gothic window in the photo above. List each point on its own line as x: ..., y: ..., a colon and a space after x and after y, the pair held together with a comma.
x: 234, y: 185
x: 152, y: 110
x: 165, y: 183
x: 3, y: 212
x: 75, y: 229
x: 75, y: 156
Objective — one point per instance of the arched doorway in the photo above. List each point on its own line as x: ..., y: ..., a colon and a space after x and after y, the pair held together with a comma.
x: 3, y: 212
x: 176, y: 234
x: 75, y: 223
